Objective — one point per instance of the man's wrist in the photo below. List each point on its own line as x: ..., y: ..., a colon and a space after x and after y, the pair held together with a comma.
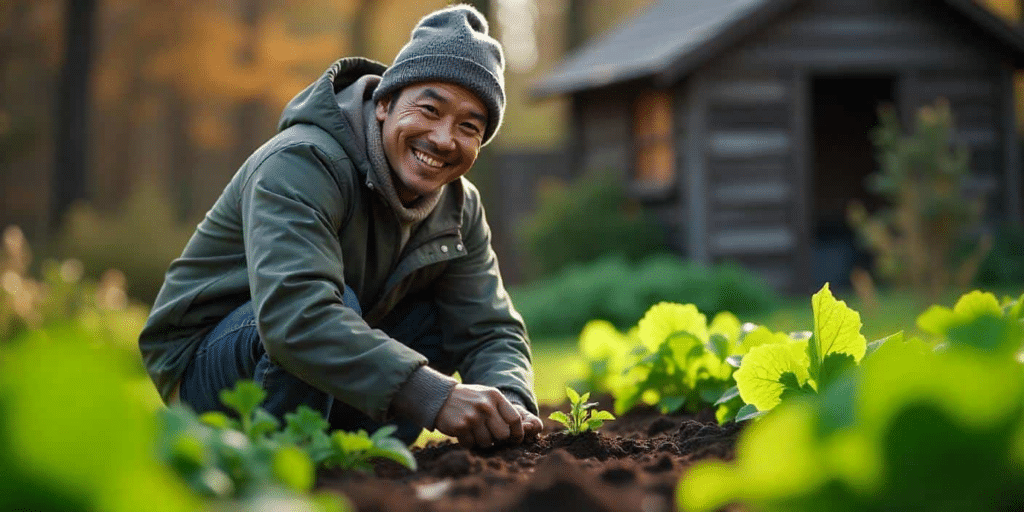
x: 422, y: 395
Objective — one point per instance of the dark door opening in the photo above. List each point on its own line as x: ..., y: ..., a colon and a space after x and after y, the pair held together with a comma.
x: 845, y: 112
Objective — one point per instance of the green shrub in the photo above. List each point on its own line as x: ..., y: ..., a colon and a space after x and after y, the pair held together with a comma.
x: 922, y: 177
x: 584, y: 220
x: 615, y: 290
x: 140, y: 239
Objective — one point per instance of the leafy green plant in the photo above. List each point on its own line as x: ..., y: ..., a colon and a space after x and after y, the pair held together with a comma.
x: 923, y: 178
x: 581, y: 418
x: 354, y: 450
x: 672, y: 358
x: 784, y: 366
x: 914, y: 427
x: 226, y: 457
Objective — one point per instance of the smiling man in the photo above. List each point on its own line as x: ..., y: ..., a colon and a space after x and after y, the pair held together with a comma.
x: 348, y: 266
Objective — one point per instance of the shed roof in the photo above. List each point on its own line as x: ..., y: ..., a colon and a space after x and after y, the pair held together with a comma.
x: 678, y: 35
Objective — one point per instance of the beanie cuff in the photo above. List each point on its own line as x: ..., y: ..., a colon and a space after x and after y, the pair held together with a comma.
x: 452, y: 69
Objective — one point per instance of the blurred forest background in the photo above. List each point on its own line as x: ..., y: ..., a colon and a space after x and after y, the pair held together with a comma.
x: 121, y: 120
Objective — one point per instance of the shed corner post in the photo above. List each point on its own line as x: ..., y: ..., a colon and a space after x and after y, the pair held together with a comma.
x: 1011, y: 150
x: 696, y: 204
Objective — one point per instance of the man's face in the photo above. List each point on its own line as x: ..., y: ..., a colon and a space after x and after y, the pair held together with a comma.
x: 432, y: 135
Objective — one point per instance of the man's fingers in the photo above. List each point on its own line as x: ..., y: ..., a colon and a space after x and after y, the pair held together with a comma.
x: 513, y: 420
x: 531, y: 424
x: 482, y: 435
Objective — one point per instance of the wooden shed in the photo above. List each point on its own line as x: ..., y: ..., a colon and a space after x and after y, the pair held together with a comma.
x: 745, y: 123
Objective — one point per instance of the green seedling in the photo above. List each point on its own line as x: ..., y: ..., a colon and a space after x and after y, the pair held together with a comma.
x: 580, y: 418
x: 354, y: 450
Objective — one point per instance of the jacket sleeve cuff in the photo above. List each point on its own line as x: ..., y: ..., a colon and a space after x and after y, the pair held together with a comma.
x: 421, y: 396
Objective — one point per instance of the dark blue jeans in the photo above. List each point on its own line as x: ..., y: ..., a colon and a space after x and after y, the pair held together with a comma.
x: 233, y: 351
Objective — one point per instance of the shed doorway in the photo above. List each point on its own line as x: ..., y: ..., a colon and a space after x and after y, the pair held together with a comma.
x: 845, y: 110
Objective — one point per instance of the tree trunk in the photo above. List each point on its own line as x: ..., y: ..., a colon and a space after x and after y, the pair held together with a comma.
x: 71, y: 141
x: 183, y: 154
x: 575, y: 25
x: 248, y: 112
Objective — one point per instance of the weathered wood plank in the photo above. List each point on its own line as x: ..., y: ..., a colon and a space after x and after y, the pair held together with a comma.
x: 749, y: 144
x: 757, y: 92
x: 754, y: 117
x: 753, y: 240
x: 737, y: 216
x: 753, y: 193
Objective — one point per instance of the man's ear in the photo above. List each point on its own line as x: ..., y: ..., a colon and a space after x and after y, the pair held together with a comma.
x: 382, y: 109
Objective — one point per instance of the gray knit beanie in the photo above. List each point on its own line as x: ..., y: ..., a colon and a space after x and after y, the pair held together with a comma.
x: 452, y: 45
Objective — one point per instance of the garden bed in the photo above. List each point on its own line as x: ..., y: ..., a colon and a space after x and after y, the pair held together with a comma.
x: 631, y: 464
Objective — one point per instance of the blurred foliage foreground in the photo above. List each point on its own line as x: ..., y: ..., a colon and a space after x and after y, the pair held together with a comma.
x: 82, y: 429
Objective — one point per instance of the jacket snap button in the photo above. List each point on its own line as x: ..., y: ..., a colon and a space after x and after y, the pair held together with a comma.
x: 458, y: 247
x: 444, y: 248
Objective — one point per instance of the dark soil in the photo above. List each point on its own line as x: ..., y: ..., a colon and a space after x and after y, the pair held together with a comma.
x: 632, y: 464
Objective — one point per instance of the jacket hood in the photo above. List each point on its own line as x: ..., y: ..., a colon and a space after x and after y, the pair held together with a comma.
x: 318, y: 104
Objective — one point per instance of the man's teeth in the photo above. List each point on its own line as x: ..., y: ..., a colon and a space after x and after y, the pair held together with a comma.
x: 427, y: 160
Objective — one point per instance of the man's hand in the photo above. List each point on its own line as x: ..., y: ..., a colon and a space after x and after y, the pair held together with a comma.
x: 482, y: 416
x: 532, y: 426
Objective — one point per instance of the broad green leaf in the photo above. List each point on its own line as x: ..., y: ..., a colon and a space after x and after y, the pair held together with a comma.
x: 304, y: 422
x: 726, y: 411
x: 976, y: 304
x: 793, y: 388
x: 666, y: 319
x: 593, y: 424
x: 383, y: 432
x: 728, y: 326
x: 758, y: 378
x: 787, y: 439
x: 877, y: 344
x: 263, y: 423
x: 350, y: 442
x: 836, y: 330
x: 394, y: 449
x: 602, y: 415
x: 218, y: 420
x: 244, y: 398
x: 987, y: 333
x: 834, y: 365
x: 190, y: 449
x: 729, y: 394
x: 761, y: 336
x: 748, y: 412
x: 937, y: 320
x: 320, y: 447
x: 719, y: 346
x: 574, y: 397
x: 600, y: 340
x: 1015, y: 309
x: 294, y: 469
x: 560, y: 417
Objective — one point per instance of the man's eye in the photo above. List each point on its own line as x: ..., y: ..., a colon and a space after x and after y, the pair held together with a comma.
x: 472, y: 128
x: 429, y: 108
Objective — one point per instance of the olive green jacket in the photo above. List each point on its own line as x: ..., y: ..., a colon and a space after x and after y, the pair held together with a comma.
x: 303, y: 217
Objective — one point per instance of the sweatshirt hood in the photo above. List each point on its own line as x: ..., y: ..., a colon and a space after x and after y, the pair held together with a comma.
x: 347, y: 83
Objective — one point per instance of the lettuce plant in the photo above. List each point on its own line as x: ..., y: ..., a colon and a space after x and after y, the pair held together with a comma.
x: 790, y: 365
x: 580, y: 418
x: 913, y: 427
x: 222, y: 456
